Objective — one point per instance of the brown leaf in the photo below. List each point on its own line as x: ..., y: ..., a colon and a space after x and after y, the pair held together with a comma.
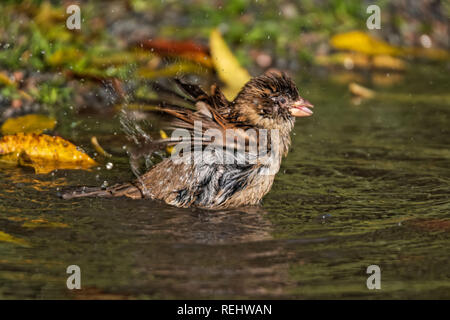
x: 189, y: 50
x: 361, y: 91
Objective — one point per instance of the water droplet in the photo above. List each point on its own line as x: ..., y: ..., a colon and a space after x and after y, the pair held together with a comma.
x: 109, y: 166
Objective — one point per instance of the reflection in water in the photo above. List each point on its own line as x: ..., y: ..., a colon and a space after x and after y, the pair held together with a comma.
x: 216, y: 227
x: 144, y: 244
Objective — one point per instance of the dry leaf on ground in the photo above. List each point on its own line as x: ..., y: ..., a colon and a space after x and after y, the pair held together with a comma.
x: 359, y: 41
x: 43, y: 152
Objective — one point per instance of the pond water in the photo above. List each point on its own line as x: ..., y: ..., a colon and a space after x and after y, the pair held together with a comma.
x: 363, y: 185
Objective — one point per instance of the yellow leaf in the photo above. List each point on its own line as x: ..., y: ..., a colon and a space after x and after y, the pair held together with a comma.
x: 48, y: 14
x: 43, y: 152
x: 4, y: 237
x: 362, y: 42
x: 32, y: 123
x: 227, y: 66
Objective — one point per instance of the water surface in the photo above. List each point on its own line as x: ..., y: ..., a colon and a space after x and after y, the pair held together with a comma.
x: 363, y: 184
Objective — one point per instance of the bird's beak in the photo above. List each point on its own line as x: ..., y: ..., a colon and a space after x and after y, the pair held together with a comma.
x: 301, y: 108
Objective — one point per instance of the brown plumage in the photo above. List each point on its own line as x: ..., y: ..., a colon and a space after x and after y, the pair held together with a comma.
x: 270, y: 101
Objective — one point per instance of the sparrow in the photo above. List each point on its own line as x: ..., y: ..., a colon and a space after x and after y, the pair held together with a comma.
x: 252, y: 132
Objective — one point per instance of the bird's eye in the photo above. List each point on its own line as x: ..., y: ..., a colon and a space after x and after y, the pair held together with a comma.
x: 282, y: 100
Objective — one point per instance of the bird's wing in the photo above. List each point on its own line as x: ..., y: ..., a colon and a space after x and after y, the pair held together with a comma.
x: 195, y: 105
x: 197, y: 112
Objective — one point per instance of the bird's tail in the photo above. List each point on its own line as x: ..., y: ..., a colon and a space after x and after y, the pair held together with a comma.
x: 119, y: 190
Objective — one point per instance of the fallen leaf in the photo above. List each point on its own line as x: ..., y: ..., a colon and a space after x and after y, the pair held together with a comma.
x: 383, y: 79
x: 227, y: 66
x: 362, y: 42
x: 43, y: 152
x: 349, y: 60
x: 429, y: 53
x: 32, y: 123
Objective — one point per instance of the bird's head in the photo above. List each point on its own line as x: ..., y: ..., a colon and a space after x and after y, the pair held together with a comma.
x: 271, y: 101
